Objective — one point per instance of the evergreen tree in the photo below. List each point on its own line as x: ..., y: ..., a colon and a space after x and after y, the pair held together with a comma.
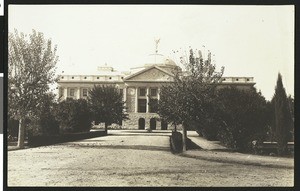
x: 283, y: 118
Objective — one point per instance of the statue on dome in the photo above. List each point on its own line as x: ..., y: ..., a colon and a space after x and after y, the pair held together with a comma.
x: 156, y: 44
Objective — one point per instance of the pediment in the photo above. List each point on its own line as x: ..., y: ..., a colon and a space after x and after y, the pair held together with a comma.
x: 153, y: 74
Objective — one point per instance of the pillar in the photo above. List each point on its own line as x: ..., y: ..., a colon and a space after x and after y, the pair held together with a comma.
x: 78, y: 93
x: 158, y: 94
x: 65, y: 93
x: 125, y: 94
x: 136, y: 99
x: 147, y: 102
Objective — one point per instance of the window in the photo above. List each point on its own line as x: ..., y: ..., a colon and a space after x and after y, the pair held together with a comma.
x: 142, y: 105
x: 121, y: 91
x: 62, y: 77
x: 153, y: 92
x: 85, y: 77
x: 153, y: 103
x: 84, y: 92
x: 98, y: 78
x: 248, y: 79
x: 72, y: 77
x: 72, y: 92
x: 110, y: 78
x: 142, y: 92
x: 61, y: 91
x: 237, y: 79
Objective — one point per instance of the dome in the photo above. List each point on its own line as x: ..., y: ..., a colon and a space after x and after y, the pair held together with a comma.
x: 169, y: 61
x: 158, y: 60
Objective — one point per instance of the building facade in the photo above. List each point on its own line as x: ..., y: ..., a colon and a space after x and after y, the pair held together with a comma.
x: 138, y: 86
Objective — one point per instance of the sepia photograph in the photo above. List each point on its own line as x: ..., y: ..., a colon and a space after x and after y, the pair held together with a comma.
x: 150, y: 95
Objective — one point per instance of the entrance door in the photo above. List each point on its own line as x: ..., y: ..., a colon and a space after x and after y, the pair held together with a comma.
x: 152, y: 123
x: 141, y: 123
x: 164, y: 125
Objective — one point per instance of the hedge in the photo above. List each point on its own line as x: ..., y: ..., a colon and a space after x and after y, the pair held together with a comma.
x: 42, y: 140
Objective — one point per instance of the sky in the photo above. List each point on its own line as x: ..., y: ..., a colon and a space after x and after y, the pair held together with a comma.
x: 249, y: 41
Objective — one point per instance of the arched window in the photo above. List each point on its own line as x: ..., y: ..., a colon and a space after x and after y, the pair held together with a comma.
x: 164, y: 125
x: 141, y: 123
x: 152, y: 123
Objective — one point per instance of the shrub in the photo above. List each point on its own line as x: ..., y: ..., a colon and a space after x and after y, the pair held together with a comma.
x: 242, y: 117
x: 44, y: 122
x: 115, y: 126
x: 207, y: 128
x: 210, y: 133
x: 176, y: 142
x: 73, y: 116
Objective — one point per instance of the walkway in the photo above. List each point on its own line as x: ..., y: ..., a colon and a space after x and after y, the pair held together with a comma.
x: 203, y: 143
x: 213, y: 151
x: 133, y: 158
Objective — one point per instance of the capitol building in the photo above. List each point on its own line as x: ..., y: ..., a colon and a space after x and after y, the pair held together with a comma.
x: 138, y: 86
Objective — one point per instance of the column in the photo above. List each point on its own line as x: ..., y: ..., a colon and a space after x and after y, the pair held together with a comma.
x: 125, y: 94
x: 65, y: 93
x: 147, y: 102
x: 125, y: 97
x: 158, y: 94
x: 136, y: 99
x: 78, y: 93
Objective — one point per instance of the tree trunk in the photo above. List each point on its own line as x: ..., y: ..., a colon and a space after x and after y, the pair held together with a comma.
x: 282, y: 147
x: 184, y: 137
x: 106, y: 125
x: 281, y: 150
x: 21, y: 136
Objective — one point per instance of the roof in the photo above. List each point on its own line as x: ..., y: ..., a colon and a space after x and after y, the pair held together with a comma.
x: 146, y: 69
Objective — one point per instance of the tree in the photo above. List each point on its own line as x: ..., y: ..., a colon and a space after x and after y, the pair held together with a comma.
x: 291, y: 104
x: 188, y: 98
x: 31, y: 68
x: 283, y: 117
x: 107, y: 105
x: 270, y: 115
x: 242, y: 117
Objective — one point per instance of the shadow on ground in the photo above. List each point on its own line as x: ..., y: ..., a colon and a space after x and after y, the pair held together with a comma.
x: 230, y: 161
x: 131, y: 147
x: 137, y: 134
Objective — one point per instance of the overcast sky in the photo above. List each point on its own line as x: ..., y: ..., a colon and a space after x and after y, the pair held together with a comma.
x: 252, y: 41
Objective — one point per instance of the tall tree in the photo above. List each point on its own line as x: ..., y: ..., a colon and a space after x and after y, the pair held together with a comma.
x: 188, y: 97
x: 283, y: 117
x: 31, y: 69
x: 107, y: 105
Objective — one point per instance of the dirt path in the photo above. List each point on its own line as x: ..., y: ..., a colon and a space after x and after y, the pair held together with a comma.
x: 131, y: 159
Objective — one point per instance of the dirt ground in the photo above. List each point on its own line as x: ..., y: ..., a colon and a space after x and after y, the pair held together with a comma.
x: 132, y: 159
